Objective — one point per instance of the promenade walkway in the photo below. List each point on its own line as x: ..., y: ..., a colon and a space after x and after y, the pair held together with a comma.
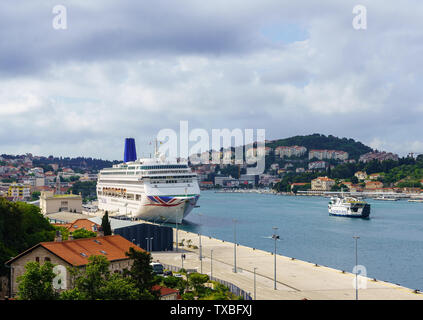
x: 296, y: 279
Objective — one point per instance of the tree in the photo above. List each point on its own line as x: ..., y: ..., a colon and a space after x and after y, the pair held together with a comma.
x: 197, y: 281
x: 89, y: 281
x: 82, y: 233
x: 21, y: 226
x: 96, y: 282
x: 105, y: 224
x: 37, y: 282
x: 118, y: 287
x: 354, y: 180
x: 142, y: 273
x: 35, y: 195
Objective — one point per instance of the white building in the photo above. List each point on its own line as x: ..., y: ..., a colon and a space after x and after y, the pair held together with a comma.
x: 327, y: 154
x: 290, y: 151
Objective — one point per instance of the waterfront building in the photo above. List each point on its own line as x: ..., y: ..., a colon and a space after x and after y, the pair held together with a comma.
x: 73, y: 253
x: 51, y: 203
x: 372, y: 185
x: 224, y: 181
x: 206, y: 184
x: 322, y: 184
x: 248, y: 179
x: 19, y: 191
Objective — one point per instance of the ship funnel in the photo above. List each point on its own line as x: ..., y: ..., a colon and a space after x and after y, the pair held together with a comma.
x: 130, y: 152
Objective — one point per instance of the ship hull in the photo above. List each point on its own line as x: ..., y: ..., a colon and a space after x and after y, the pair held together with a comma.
x: 360, y: 212
x: 163, y: 209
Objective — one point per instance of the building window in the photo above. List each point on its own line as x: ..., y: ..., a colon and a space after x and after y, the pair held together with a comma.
x: 47, y: 259
x: 37, y: 259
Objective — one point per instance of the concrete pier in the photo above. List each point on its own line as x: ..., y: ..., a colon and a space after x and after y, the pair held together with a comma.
x: 296, y: 279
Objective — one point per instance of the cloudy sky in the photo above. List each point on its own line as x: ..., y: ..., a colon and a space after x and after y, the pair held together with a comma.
x: 129, y: 69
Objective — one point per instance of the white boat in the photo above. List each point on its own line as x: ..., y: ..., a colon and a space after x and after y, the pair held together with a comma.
x: 415, y: 200
x: 149, y: 189
x: 348, y: 207
x: 385, y: 198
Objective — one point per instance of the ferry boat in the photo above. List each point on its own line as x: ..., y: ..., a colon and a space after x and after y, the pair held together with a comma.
x: 348, y: 207
x: 385, y: 198
x: 150, y: 189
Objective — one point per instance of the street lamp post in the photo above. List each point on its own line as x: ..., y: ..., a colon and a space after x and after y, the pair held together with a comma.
x: 275, y: 237
x: 234, y: 220
x: 151, y: 244
x: 199, y: 235
x: 176, y: 221
x: 211, y: 263
x: 182, y: 259
x: 255, y: 283
x: 356, y: 269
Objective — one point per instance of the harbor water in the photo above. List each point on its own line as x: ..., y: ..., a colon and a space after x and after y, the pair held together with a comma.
x: 390, y: 246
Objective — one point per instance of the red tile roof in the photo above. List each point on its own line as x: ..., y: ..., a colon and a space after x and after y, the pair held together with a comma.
x: 82, y: 224
x: 76, y: 252
x: 164, y: 291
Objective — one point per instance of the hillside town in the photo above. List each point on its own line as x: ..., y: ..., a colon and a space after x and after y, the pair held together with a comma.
x: 27, y: 177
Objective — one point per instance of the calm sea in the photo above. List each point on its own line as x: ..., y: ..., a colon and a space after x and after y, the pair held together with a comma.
x: 390, y: 244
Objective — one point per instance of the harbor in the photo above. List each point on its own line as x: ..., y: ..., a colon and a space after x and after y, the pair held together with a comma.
x: 295, y: 279
x: 390, y: 244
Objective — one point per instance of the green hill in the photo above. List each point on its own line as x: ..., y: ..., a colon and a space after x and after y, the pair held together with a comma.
x: 320, y: 141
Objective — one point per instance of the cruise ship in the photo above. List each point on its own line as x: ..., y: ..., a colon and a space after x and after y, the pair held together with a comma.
x: 152, y: 189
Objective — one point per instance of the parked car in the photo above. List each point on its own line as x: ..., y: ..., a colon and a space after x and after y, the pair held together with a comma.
x: 157, y: 268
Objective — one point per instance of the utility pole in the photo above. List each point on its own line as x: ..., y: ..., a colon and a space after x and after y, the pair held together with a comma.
x: 255, y: 296
x: 211, y: 263
x: 234, y: 220
x: 275, y: 237
x: 356, y: 269
x: 176, y: 221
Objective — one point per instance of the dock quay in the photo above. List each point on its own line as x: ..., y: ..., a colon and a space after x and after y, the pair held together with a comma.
x: 295, y: 279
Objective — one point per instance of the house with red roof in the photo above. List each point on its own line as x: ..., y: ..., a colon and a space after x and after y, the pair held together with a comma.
x: 73, y: 253
x: 167, y: 293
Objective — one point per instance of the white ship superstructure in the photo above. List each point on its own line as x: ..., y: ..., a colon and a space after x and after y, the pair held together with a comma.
x: 348, y: 207
x: 149, y: 189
